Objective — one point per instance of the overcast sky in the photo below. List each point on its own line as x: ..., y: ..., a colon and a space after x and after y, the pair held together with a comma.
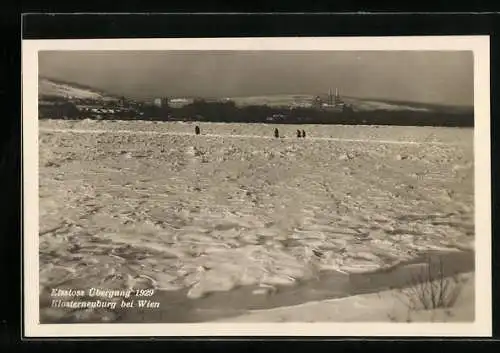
x: 424, y: 76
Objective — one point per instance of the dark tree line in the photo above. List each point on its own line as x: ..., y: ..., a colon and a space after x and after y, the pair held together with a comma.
x: 228, y: 112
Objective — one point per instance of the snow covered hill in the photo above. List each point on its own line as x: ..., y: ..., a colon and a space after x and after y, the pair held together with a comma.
x: 50, y: 87
x: 357, y: 103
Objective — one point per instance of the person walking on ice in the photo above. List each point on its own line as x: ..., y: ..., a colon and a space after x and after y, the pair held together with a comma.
x: 197, y: 130
x: 303, y: 133
x: 276, y: 133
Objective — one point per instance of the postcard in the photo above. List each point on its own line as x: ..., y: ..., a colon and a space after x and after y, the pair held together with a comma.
x: 257, y: 187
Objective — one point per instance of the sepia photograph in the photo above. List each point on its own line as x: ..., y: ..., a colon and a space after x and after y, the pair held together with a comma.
x: 333, y: 184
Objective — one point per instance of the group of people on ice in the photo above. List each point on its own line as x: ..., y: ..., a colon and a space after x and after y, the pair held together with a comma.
x: 300, y: 134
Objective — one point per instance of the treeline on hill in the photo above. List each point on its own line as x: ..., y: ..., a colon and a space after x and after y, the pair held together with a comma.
x: 228, y: 112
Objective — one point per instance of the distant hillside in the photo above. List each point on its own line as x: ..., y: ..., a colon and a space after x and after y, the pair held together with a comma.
x: 358, y: 104
x: 58, y: 88
x: 433, y: 107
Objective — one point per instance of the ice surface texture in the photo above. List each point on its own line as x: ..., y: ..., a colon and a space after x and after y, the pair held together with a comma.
x: 171, y: 210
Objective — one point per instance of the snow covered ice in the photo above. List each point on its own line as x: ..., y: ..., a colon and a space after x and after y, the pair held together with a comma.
x: 144, y: 204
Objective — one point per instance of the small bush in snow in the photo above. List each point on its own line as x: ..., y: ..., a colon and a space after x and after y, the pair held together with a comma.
x: 431, y: 289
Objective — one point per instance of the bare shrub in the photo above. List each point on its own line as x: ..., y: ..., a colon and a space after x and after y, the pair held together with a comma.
x: 431, y: 289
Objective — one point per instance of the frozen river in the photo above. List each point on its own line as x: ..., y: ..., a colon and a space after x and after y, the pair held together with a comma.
x: 151, y: 205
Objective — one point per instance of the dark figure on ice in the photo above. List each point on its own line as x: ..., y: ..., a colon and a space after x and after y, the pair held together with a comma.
x: 303, y: 133
x: 197, y: 130
x: 276, y: 133
x: 298, y: 133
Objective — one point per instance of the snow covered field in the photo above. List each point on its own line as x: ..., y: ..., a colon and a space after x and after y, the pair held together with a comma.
x: 145, y: 204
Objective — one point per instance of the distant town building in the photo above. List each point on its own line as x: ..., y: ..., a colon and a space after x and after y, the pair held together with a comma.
x: 122, y: 101
x: 276, y: 117
x: 179, y: 102
x: 161, y: 102
x: 338, y: 102
x: 317, y: 102
x: 296, y: 105
x: 333, y: 102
